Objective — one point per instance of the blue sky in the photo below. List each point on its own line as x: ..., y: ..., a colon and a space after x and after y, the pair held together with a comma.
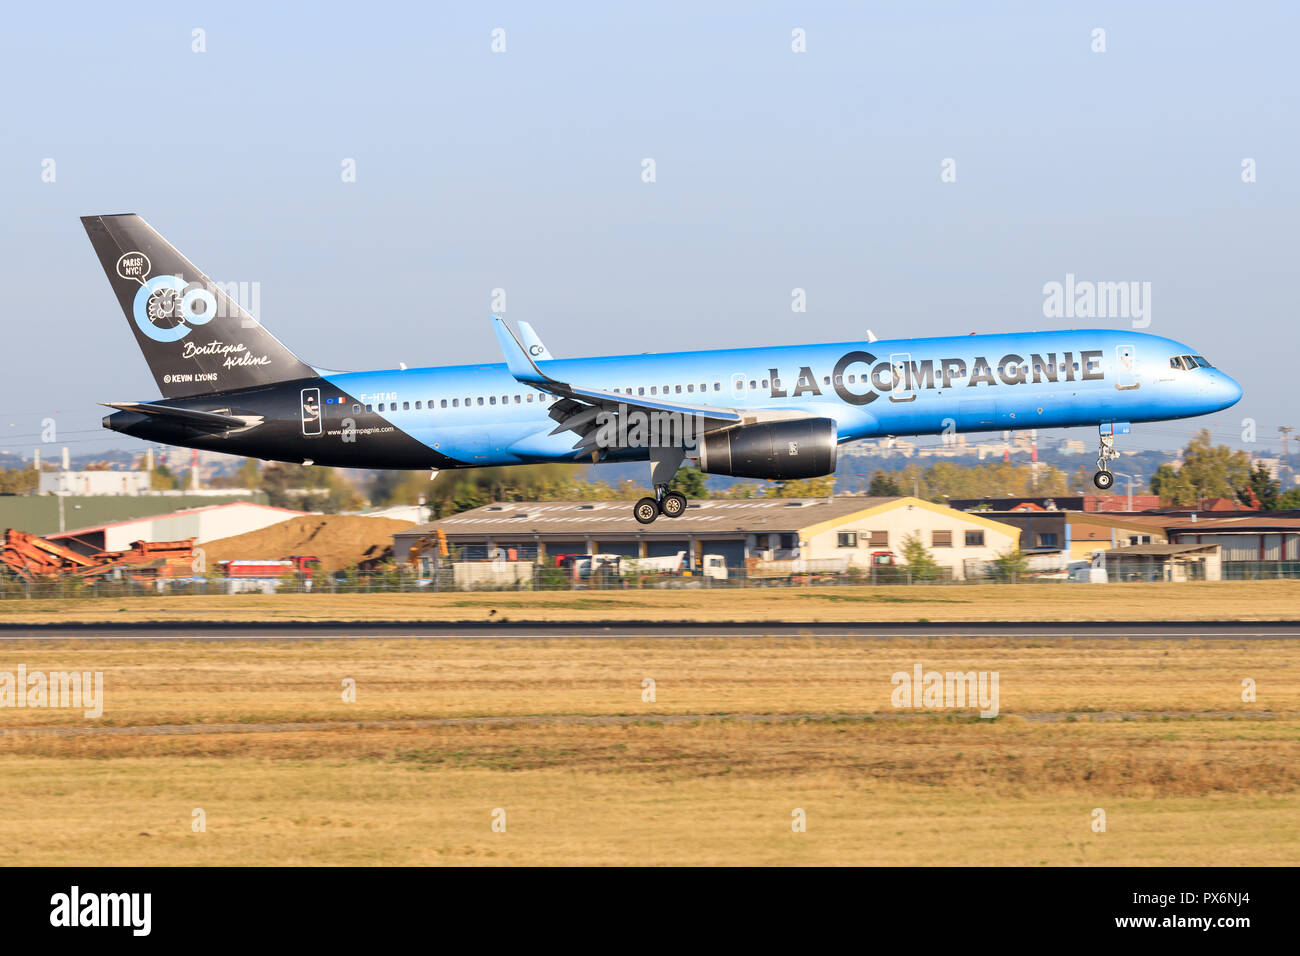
x: 774, y: 170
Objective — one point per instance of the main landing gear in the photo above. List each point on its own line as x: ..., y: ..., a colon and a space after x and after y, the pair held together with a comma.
x: 664, y: 463
x: 1106, y: 452
x: 670, y: 504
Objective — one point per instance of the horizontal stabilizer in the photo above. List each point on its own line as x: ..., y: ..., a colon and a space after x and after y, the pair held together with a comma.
x: 192, y: 416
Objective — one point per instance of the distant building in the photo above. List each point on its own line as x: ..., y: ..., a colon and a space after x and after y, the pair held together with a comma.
x: 1075, y: 534
x: 1108, y: 503
x: 208, y: 523
x: 416, y: 514
x: 51, y: 514
x: 1248, y: 538
x: 93, y: 483
x: 846, y: 527
x: 1164, y: 562
x: 1092, y: 531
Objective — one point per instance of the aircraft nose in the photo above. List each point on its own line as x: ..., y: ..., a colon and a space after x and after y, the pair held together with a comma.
x: 1224, y: 390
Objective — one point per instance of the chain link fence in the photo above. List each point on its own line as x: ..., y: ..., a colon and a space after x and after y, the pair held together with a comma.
x: 484, y: 576
x: 1260, y: 570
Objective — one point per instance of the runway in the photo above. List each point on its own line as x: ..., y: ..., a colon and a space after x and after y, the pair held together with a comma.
x: 628, y: 630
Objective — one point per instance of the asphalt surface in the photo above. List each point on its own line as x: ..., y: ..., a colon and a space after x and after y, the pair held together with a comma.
x: 510, y: 630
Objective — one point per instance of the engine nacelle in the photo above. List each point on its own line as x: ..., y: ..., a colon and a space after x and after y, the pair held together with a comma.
x: 776, y: 451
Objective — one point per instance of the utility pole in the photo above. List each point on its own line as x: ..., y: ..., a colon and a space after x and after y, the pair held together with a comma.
x: 1132, y: 480
x: 1286, y: 430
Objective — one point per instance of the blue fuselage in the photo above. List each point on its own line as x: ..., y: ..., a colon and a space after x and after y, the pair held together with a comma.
x: 476, y: 415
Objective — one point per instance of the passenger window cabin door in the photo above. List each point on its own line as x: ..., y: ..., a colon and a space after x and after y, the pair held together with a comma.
x: 900, y: 364
x: 1126, y: 363
x: 311, y: 411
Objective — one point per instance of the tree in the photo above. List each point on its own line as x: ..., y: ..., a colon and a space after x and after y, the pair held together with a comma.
x: 453, y: 492
x: 1215, y: 471
x: 1208, y: 471
x: 1289, y: 500
x: 1261, y: 492
x: 249, y: 474
x: 944, y: 480
x: 162, y: 479
x: 1173, y: 487
x: 1081, y: 481
x: 309, y: 488
x: 741, y: 489
x: 884, y: 486
x: 1010, y: 564
x: 19, y: 481
x: 689, y: 481
x: 918, y: 560
x: 468, y: 496
x: 804, y: 488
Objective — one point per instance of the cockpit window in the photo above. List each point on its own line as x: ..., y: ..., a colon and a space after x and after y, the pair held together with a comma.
x: 1189, y: 362
x: 1200, y: 360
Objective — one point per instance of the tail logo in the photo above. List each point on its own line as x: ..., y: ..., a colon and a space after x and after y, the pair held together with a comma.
x: 166, y: 309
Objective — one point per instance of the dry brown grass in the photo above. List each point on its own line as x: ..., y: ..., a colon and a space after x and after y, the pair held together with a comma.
x: 742, y: 732
x: 1221, y: 600
x: 279, y: 681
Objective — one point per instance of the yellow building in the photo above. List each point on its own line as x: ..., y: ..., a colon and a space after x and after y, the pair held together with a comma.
x: 844, y: 530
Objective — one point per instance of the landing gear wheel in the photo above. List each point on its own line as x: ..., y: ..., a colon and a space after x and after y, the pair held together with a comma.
x: 672, y: 505
x: 646, y: 510
x: 1103, y: 480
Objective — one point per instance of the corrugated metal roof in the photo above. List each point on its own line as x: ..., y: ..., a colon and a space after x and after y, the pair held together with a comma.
x: 1159, y: 550
x: 1244, y: 523
x: 39, y: 514
x: 182, y: 513
x: 709, y: 516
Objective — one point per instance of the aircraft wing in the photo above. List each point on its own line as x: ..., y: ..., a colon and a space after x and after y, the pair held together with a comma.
x: 579, y: 405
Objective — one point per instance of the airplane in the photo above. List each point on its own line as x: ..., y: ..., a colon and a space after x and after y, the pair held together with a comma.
x: 777, y: 413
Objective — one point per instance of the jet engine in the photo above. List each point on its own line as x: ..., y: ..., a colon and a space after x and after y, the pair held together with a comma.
x: 775, y: 451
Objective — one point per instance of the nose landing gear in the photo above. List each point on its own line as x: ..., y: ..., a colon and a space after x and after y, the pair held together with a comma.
x: 1106, y: 453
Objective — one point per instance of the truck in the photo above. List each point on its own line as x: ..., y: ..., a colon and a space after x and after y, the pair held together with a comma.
x: 795, y: 570
x: 265, y: 576
x: 583, y: 566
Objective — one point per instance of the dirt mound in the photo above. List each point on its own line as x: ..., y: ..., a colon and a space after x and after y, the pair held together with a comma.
x: 340, y: 541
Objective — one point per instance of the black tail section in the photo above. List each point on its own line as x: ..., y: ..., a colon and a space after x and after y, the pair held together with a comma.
x: 195, y: 338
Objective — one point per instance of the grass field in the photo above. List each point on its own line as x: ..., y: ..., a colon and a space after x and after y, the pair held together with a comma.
x: 1225, y: 600
x: 556, y: 733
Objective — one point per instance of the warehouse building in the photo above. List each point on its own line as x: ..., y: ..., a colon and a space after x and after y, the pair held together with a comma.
x: 849, y: 528
x: 1164, y: 562
x: 208, y: 523
x: 1258, y: 545
x: 93, y: 482
x: 54, y: 514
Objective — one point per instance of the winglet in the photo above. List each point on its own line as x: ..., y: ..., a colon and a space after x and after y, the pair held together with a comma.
x: 521, y: 366
x: 533, y: 343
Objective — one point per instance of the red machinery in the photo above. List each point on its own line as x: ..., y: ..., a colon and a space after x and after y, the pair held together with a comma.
x: 34, y: 558
x: 300, y: 564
